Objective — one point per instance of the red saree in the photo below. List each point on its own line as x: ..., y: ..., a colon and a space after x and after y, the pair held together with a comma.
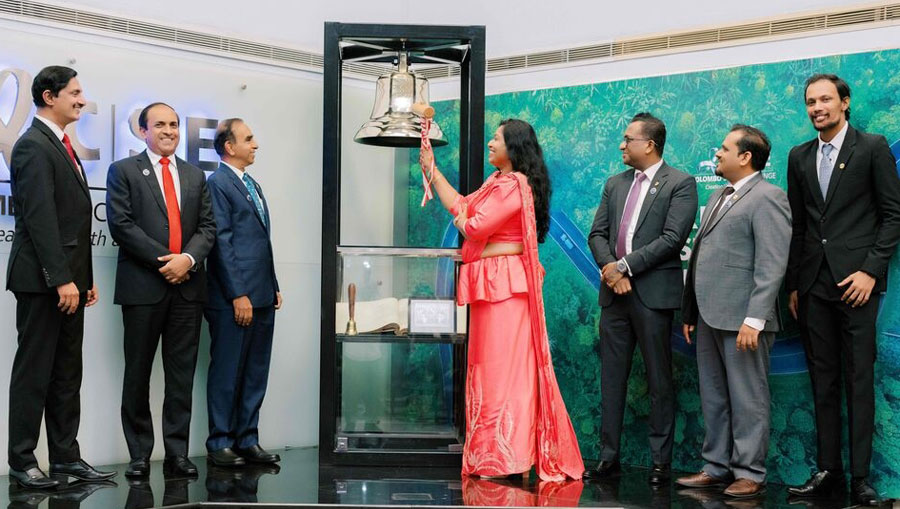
x: 515, y: 414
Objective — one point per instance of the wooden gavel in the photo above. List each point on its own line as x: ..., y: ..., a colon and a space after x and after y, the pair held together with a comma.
x: 423, y: 110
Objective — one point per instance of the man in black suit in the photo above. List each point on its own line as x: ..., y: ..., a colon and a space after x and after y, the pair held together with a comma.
x: 50, y: 274
x: 845, y: 201
x: 160, y: 214
x: 644, y: 218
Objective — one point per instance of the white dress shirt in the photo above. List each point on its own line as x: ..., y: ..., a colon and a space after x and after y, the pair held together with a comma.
x: 239, y: 173
x: 55, y: 128
x: 650, y: 173
x: 756, y: 323
x: 173, y: 170
x: 837, y: 142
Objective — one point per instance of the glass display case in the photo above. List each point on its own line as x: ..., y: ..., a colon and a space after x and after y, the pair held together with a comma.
x: 397, y: 376
x: 393, y: 340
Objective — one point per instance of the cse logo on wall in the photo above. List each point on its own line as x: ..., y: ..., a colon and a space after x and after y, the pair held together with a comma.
x: 123, y: 136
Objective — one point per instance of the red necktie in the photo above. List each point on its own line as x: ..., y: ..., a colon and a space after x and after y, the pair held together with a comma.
x: 71, y: 152
x: 171, y: 207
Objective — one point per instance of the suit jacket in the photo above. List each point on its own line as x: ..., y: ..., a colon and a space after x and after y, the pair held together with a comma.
x: 139, y: 224
x: 52, y: 207
x: 241, y: 262
x: 857, y: 225
x: 664, y: 223
x: 738, y: 268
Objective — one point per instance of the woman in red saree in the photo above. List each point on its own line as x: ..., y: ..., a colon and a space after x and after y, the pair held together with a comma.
x: 515, y: 415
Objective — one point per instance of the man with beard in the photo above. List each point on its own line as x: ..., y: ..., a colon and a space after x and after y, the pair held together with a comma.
x: 643, y: 221
x: 845, y: 199
x: 736, y: 268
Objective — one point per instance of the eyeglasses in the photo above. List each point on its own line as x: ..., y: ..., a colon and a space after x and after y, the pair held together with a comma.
x: 629, y: 139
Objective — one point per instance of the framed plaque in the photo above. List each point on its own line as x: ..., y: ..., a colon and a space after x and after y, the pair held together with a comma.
x: 432, y: 316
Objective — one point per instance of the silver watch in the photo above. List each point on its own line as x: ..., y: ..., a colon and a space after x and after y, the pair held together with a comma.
x: 621, y: 266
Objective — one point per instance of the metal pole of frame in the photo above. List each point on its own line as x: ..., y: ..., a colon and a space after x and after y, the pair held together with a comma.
x: 331, y: 206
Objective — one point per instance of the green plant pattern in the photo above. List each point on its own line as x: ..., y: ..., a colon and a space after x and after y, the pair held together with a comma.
x: 579, y: 128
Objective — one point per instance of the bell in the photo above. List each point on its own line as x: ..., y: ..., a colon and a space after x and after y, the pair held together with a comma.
x: 393, y: 123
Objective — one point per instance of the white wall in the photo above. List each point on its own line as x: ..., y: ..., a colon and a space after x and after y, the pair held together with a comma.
x: 284, y: 109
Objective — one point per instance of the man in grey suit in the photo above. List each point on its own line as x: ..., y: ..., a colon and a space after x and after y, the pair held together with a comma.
x: 160, y: 214
x: 644, y: 218
x: 736, y: 268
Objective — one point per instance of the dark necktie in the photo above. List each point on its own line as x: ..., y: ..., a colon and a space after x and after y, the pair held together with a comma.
x: 715, y: 212
x: 171, y: 207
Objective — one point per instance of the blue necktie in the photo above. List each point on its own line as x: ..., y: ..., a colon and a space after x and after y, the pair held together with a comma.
x: 255, y: 197
x: 826, y: 166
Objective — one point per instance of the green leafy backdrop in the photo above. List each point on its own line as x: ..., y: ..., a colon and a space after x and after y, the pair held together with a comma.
x: 579, y: 129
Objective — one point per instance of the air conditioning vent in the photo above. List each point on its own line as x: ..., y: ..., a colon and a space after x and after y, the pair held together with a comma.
x: 748, y: 31
x: 590, y: 52
x: 546, y: 58
x: 643, y: 45
x: 199, y: 39
x: 892, y: 12
x: 694, y: 38
x: 854, y: 17
x: 152, y: 31
x: 798, y: 25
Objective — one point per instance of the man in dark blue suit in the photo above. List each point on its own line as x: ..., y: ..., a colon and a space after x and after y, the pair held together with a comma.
x: 243, y: 297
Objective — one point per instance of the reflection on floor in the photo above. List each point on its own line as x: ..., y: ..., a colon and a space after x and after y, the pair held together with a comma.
x: 300, y: 480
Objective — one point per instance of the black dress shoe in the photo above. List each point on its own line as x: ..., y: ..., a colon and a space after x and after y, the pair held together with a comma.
x: 138, y: 467
x: 225, y: 458
x: 256, y: 454
x: 821, y: 484
x: 33, y: 478
x: 80, y: 470
x: 603, y: 470
x: 862, y: 493
x: 179, y: 466
x: 660, y: 473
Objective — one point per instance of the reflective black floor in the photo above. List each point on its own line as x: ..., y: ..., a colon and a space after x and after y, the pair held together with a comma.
x: 300, y: 480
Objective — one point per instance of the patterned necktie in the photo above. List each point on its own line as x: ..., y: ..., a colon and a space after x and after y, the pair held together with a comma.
x: 630, y: 205
x: 826, y: 166
x: 68, y: 143
x: 254, y: 196
x: 171, y: 207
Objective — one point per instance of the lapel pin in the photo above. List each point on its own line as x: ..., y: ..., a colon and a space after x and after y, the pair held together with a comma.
x: 842, y: 166
x: 248, y: 198
x: 146, y: 172
x: 652, y: 190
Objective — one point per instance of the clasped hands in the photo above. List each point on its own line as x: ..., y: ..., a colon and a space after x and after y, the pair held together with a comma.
x: 177, y: 268
x: 615, y: 280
